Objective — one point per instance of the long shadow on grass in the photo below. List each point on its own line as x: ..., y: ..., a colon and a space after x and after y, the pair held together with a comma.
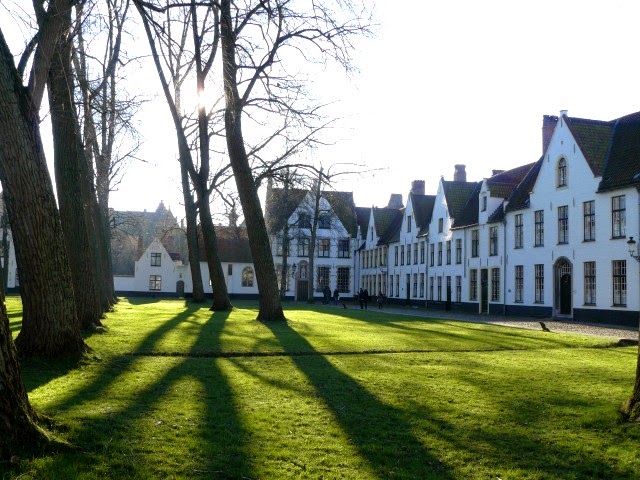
x: 380, y: 432
x: 123, y: 433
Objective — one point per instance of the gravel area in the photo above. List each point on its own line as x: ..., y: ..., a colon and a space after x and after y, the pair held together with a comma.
x: 598, y: 330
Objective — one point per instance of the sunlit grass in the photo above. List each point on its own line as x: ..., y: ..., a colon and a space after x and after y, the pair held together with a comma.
x: 176, y: 391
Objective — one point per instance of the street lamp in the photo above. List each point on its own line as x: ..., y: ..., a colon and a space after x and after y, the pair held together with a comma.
x: 631, y: 244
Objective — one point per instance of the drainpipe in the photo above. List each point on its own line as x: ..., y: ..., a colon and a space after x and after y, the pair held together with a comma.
x: 504, y: 266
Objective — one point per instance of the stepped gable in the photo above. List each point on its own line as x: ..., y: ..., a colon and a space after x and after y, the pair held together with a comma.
x: 423, y: 211
x: 622, y: 168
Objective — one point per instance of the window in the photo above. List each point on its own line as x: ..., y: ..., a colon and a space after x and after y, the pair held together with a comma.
x: 156, y: 259
x: 395, y: 255
x: 422, y: 285
x: 344, y: 280
x: 323, y: 277
x: 589, y: 283
x: 431, y: 288
x: 371, y: 236
x: 495, y: 284
x: 440, y: 225
x: 448, y: 252
x: 618, y: 217
x: 303, y: 247
x: 619, y: 283
x: 324, y: 247
x: 401, y: 254
x: 518, y: 238
x: 439, y: 253
x: 563, y: 224
x: 324, y: 221
x: 484, y: 203
x: 422, y: 247
x: 247, y: 277
x: 562, y: 173
x: 230, y: 269
x: 397, y: 285
x: 408, y: 254
x: 473, y: 285
x: 439, y: 289
x: 493, y: 241
x: 343, y: 248
x: 391, y: 285
x: 538, y: 241
x: 519, y: 286
x: 458, y: 250
x: 408, y: 223
x: 415, y: 253
x: 458, y: 288
x: 279, y: 274
x: 155, y: 282
x: 415, y: 285
x: 304, y: 220
x: 431, y: 254
x: 475, y: 242
x: 539, y: 283
x: 589, y: 210
x: 279, y: 246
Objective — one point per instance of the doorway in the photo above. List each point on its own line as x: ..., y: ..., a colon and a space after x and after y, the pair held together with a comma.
x: 563, y: 297
x: 484, y: 291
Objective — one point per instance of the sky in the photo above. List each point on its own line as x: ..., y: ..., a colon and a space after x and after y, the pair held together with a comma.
x: 444, y: 83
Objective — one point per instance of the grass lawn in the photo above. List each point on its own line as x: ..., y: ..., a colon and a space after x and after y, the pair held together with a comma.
x: 175, y: 391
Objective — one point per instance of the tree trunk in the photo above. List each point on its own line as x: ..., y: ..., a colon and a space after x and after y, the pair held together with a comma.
x: 631, y: 408
x: 18, y: 429
x: 192, y: 238
x: 73, y: 184
x: 270, y: 306
x: 49, y: 324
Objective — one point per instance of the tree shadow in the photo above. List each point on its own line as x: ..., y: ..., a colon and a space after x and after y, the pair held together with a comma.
x: 221, y: 439
x: 390, y: 448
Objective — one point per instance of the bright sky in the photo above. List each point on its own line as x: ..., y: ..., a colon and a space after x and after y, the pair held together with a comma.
x: 445, y: 83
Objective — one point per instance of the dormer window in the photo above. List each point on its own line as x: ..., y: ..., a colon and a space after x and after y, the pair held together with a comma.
x: 304, y: 220
x: 324, y: 221
x: 562, y: 172
x: 408, y: 223
x: 440, y: 225
x: 484, y: 203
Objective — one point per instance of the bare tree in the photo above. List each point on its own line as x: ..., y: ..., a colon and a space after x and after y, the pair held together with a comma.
x: 258, y: 40
x: 204, y: 41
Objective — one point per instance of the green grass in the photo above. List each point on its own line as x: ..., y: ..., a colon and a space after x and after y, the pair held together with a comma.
x: 174, y: 391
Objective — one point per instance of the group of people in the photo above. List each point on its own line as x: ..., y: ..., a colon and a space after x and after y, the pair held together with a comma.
x: 363, y: 299
x: 327, y: 296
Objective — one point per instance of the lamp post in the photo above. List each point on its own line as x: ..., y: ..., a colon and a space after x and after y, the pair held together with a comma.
x: 632, y: 407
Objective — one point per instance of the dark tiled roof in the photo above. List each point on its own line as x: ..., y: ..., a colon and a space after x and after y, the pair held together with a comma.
x: 344, y: 207
x: 519, y: 198
x: 468, y: 215
x: 422, y: 211
x: 457, y: 196
x: 593, y: 138
x: 497, y: 215
x: 362, y: 218
x: 280, y: 205
x: 622, y: 167
x: 503, y: 184
x: 233, y: 245
x: 388, y: 222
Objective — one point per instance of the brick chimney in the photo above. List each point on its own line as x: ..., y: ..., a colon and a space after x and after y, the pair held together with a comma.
x: 548, y: 126
x: 417, y: 187
x: 460, y: 174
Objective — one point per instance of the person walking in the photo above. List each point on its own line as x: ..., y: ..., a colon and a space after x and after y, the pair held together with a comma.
x: 365, y: 295
x: 336, y: 296
x: 361, y: 298
x: 380, y: 300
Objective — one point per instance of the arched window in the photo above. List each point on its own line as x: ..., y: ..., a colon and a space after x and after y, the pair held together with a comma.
x: 562, y: 172
x: 247, y: 277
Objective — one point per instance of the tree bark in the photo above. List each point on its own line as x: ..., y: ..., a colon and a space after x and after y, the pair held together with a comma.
x: 49, y: 325
x: 18, y: 429
x: 631, y: 408
x: 73, y: 185
x: 192, y: 237
x: 270, y: 305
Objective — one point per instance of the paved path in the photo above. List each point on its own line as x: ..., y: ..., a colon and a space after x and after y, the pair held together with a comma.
x: 569, y: 326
